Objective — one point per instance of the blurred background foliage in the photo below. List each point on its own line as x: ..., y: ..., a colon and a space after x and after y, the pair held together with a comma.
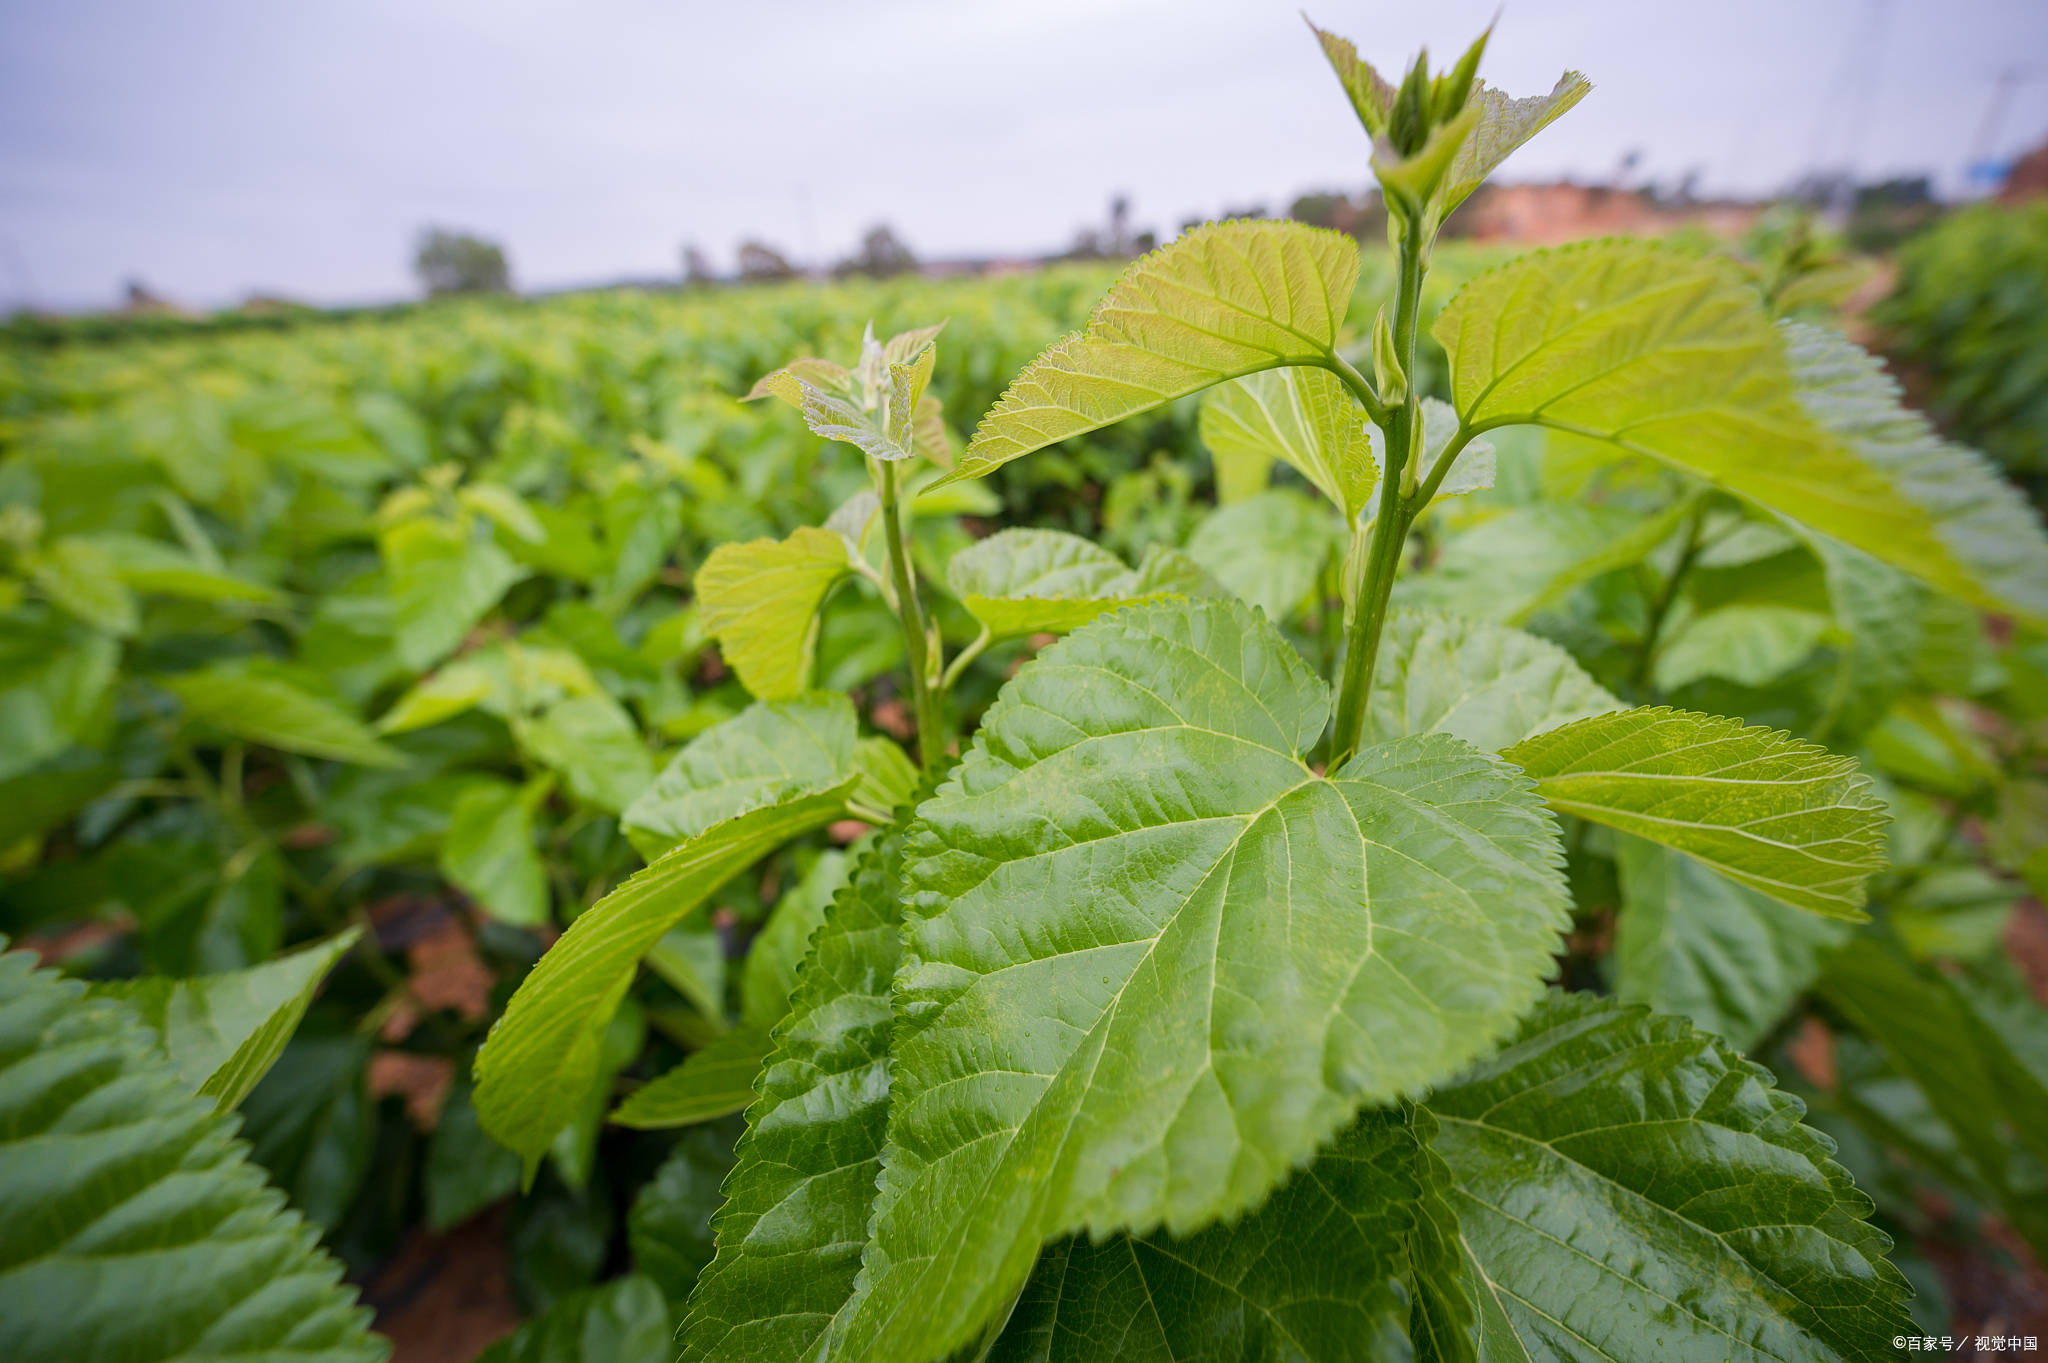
x: 311, y: 622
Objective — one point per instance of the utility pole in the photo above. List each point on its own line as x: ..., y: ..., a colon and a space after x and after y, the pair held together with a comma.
x: 1847, y: 110
x: 1981, y: 169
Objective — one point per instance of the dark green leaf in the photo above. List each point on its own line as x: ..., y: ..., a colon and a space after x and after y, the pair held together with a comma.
x: 1991, y: 1096
x: 1156, y: 961
x: 624, y: 1321
x: 797, y: 1203
x: 670, y: 1224
x: 137, y: 1229
x: 1313, y: 1276
x: 1630, y: 1189
x: 466, y: 1170
x: 1693, y: 942
x: 310, y: 1122
x: 223, y: 1032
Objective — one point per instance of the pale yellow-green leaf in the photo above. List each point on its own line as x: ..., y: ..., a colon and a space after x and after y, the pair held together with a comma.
x: 1304, y: 416
x: 488, y: 851
x: 1026, y: 581
x: 709, y: 1083
x: 266, y: 709
x: 506, y: 507
x: 541, y: 1062
x: 787, y: 382
x: 760, y: 600
x: 1673, y: 356
x: 888, y: 777
x: 929, y: 434
x: 1784, y: 817
x: 1225, y: 300
x: 1370, y: 95
x: 1982, y: 521
x: 444, y: 694
x: 1503, y: 125
x: 1485, y: 683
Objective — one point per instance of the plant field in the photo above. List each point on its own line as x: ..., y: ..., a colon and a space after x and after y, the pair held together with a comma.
x: 1373, y: 802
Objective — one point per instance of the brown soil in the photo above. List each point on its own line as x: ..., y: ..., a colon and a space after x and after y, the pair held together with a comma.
x: 446, y: 1298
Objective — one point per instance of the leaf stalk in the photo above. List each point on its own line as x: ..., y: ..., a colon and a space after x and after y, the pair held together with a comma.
x: 931, y: 737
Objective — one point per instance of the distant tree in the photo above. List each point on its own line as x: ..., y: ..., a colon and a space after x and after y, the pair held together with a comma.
x: 1120, y: 225
x: 761, y: 263
x: 882, y: 254
x: 697, y: 267
x: 1364, y: 216
x: 1886, y: 212
x: 1319, y: 208
x: 145, y: 301
x: 1114, y: 240
x: 459, y: 262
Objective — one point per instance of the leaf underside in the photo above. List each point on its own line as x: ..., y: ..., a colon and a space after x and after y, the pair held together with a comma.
x: 1225, y: 300
x: 1154, y: 961
x: 1487, y: 684
x: 1302, y: 416
x: 1673, y: 356
x: 760, y: 601
x: 1779, y: 815
x: 1981, y: 520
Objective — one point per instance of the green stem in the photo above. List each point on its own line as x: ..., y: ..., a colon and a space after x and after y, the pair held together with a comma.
x: 1646, y: 656
x: 1361, y: 388
x: 931, y: 737
x: 1427, y: 490
x: 1390, y: 525
x: 964, y: 657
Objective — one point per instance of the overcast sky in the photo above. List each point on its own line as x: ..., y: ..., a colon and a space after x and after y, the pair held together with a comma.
x: 219, y: 147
